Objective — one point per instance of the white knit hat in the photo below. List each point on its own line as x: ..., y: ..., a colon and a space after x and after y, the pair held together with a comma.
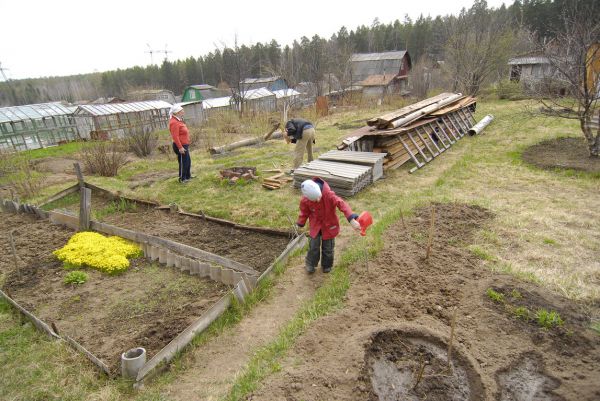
x: 175, y: 109
x: 311, y: 190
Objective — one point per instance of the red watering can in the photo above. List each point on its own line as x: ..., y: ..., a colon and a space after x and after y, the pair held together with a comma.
x: 365, y: 220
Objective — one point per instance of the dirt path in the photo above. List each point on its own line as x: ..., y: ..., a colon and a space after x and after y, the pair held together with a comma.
x: 213, y: 367
x: 397, y: 322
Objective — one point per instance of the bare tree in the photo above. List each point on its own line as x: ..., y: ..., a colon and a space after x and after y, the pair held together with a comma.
x: 479, y: 43
x: 570, y: 87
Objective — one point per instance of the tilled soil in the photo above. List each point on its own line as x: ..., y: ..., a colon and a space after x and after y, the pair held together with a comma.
x: 254, y: 249
x: 391, y: 339
x: 147, y: 306
x: 564, y: 153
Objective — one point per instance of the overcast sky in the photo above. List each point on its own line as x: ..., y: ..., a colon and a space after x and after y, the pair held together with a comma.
x: 65, y: 37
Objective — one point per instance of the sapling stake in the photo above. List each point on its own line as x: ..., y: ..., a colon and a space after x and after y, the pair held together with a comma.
x: 431, y: 232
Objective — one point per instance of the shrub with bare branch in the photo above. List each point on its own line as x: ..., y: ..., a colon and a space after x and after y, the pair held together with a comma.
x: 143, y: 142
x: 104, y: 158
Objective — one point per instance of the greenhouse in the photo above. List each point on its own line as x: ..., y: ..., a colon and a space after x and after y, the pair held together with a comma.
x: 119, y: 120
x: 36, y: 126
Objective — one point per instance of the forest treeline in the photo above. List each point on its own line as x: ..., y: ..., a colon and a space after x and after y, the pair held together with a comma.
x: 459, y: 40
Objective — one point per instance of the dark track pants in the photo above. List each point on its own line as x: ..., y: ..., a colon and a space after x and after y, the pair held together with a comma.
x: 320, y: 249
x: 184, y: 161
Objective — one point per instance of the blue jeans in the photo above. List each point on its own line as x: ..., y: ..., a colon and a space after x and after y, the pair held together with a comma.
x: 319, y: 248
x: 184, y: 161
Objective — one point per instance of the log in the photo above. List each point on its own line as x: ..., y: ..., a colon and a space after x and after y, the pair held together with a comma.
x: 274, y: 134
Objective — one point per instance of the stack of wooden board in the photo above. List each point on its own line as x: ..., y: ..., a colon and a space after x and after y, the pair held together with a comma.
x: 276, y: 181
x: 344, y: 178
x: 417, y: 133
x: 374, y: 160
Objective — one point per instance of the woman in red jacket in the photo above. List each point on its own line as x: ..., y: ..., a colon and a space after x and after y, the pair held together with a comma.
x: 181, y: 143
x: 319, y: 205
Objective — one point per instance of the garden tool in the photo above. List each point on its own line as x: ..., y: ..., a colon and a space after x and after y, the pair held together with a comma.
x: 365, y: 220
x: 293, y: 226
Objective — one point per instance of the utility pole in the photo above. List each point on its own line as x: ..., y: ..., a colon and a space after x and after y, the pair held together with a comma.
x: 150, y: 51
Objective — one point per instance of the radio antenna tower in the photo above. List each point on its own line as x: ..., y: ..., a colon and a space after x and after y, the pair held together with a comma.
x: 166, y: 51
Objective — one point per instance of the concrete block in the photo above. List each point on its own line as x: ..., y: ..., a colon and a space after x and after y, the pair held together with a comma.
x: 162, y: 256
x: 153, y: 252
x: 177, y: 261
x: 204, y: 269
x: 215, y: 273
x: 227, y: 276
x: 194, y: 266
x: 185, y: 264
x: 171, y: 257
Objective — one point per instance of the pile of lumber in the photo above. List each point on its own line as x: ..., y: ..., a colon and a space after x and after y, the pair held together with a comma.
x: 419, y: 132
x: 276, y: 181
x: 345, y: 179
x: 374, y: 160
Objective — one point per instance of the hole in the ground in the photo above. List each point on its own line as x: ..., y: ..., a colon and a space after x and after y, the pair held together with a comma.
x: 407, y: 365
x: 525, y: 380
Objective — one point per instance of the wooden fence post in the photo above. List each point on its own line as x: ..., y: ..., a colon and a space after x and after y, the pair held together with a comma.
x: 85, y: 208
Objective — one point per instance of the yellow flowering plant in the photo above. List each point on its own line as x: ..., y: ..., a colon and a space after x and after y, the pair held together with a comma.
x: 107, y: 254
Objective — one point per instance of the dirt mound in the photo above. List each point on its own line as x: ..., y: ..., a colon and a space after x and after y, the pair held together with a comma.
x: 340, y: 355
x: 564, y: 153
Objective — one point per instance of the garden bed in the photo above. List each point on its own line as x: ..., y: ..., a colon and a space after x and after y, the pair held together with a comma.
x: 146, y: 306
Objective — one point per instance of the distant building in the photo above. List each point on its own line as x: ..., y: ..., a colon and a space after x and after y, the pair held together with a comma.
x: 200, y: 92
x: 108, y: 100
x: 530, y: 68
x: 120, y: 120
x: 36, y: 126
x: 257, y: 100
x: 381, y: 73
x: 270, y: 83
x: 151, y: 94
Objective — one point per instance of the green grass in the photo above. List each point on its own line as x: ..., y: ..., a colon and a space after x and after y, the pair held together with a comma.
x: 495, y: 296
x: 596, y: 327
x: 115, y: 206
x: 75, y: 277
x: 548, y: 319
x: 62, y: 203
x: 68, y: 149
x: 521, y: 312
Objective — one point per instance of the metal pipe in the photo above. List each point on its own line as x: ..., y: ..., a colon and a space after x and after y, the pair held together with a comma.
x: 477, y: 128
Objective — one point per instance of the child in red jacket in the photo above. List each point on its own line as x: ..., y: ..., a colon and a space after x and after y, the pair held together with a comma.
x: 319, y: 205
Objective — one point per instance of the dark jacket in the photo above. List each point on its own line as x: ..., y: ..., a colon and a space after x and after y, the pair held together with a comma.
x: 322, y: 215
x: 295, y: 127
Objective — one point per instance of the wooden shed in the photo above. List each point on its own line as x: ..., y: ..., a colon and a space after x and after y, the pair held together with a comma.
x: 530, y: 68
x: 36, y: 126
x: 122, y: 119
x: 256, y: 100
x: 381, y: 73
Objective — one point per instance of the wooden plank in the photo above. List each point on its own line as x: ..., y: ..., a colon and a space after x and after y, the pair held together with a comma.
x: 432, y: 141
x: 443, y: 131
x: 433, y: 154
x: 85, y: 209
x: 412, y: 155
x: 432, y: 132
x: 80, y: 179
x: 263, y: 230
x: 59, y: 195
x: 427, y: 159
x: 94, y: 359
x: 450, y: 129
x: 39, y: 324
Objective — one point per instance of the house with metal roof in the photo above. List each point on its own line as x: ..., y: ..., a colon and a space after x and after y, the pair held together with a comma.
x: 36, y: 126
x: 200, y: 92
x: 256, y: 100
x: 270, y: 83
x: 151, y: 94
x: 104, y: 121
x: 381, y: 73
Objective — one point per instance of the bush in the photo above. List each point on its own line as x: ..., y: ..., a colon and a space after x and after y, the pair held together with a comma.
x: 143, y: 142
x: 75, y: 277
x: 104, y: 158
x: 510, y: 90
x: 107, y: 254
x: 17, y: 171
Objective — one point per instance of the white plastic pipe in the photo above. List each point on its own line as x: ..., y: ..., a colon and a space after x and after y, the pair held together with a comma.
x: 132, y: 361
x: 477, y: 128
